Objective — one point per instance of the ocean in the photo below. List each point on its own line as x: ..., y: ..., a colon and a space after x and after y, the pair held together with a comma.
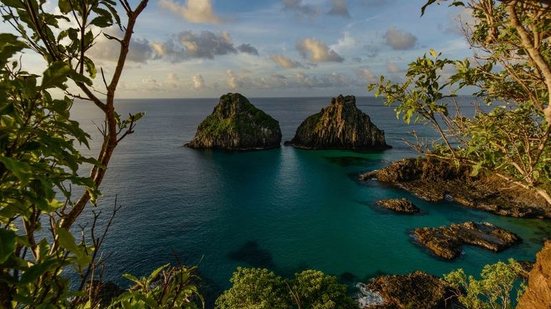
x: 284, y: 209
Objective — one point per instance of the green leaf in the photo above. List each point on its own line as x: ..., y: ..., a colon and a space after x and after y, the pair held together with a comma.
x: 7, y: 244
x: 56, y: 75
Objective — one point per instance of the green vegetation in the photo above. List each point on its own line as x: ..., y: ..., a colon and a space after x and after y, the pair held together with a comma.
x: 494, y: 288
x: 39, y: 161
x: 511, y: 72
x: 262, y: 289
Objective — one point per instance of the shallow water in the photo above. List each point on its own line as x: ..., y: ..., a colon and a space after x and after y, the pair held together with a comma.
x: 285, y: 209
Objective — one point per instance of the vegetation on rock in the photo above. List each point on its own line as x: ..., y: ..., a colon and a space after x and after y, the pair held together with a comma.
x: 262, y: 289
x: 341, y: 125
x: 511, y: 71
x: 236, y: 124
x: 494, y: 289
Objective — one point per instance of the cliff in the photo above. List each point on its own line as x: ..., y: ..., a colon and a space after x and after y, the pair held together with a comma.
x: 538, y: 292
x: 341, y: 125
x: 236, y: 124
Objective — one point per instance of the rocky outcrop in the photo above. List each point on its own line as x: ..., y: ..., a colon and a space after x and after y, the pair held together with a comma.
x: 402, y: 206
x: 341, y: 125
x: 538, y: 292
x: 447, y: 241
x: 235, y: 124
x: 416, y: 290
x: 435, y: 180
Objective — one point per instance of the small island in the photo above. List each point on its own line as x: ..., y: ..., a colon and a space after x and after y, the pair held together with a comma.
x: 237, y: 125
x: 341, y: 125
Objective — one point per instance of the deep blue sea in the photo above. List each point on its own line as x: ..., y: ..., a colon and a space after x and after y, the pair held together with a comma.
x: 285, y: 209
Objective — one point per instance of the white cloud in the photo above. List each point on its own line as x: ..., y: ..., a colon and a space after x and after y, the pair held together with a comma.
x: 233, y: 80
x: 339, y: 8
x: 198, y: 82
x: 347, y: 42
x: 285, y: 62
x: 194, y: 11
x: 399, y: 40
x: 317, y: 51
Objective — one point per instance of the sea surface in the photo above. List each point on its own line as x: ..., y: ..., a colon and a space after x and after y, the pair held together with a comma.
x: 284, y: 209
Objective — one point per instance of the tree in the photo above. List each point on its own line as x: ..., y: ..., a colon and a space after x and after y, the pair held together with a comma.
x: 494, y: 288
x: 511, y: 72
x: 260, y: 288
x: 38, y: 155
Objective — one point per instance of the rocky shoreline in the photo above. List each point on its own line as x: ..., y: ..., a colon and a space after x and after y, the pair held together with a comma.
x: 402, y: 206
x: 447, y: 241
x: 415, y: 290
x: 436, y: 180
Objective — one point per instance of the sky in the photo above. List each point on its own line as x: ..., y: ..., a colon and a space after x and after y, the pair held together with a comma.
x: 277, y: 48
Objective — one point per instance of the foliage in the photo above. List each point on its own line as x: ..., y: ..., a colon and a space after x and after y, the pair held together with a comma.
x: 166, y: 287
x: 494, y: 288
x: 260, y: 288
x: 39, y: 158
x: 510, y: 72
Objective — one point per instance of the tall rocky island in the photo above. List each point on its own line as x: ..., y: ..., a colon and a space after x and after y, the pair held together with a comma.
x: 236, y: 124
x: 341, y: 125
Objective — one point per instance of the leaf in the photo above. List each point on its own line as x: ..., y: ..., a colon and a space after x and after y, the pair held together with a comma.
x: 7, y: 244
x: 56, y: 75
x: 67, y: 241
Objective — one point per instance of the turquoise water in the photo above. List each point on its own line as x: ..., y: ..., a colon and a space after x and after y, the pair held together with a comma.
x: 285, y: 209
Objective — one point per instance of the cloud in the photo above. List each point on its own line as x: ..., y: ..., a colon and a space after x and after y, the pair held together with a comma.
x: 399, y: 40
x: 332, y: 80
x: 285, y: 62
x: 339, y: 8
x: 194, y: 11
x: 104, y: 49
x: 347, y: 42
x: 392, y: 67
x: 317, y: 51
x: 198, y: 82
x: 367, y: 75
x: 247, y: 49
x: 233, y: 80
x: 303, y: 10
x: 203, y: 45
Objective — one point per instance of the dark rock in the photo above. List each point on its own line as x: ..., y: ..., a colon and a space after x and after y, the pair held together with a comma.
x: 399, y: 205
x: 416, y: 290
x: 538, y: 292
x: 437, y: 180
x: 341, y: 125
x: 447, y: 241
x: 235, y: 124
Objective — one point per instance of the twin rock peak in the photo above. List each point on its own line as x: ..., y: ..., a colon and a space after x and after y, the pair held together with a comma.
x: 237, y: 125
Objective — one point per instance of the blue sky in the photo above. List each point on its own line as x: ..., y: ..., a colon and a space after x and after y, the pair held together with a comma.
x: 204, y: 48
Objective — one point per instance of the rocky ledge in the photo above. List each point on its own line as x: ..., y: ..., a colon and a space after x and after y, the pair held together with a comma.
x: 538, y: 291
x: 416, y: 290
x: 341, y: 125
x: 402, y: 206
x: 436, y: 180
x: 447, y: 241
x: 236, y: 124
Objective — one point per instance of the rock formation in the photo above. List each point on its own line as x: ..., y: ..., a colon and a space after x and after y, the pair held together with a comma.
x: 435, y: 180
x: 341, y: 125
x: 235, y: 124
x: 399, y: 205
x: 538, y: 292
x: 416, y: 290
x: 446, y: 241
